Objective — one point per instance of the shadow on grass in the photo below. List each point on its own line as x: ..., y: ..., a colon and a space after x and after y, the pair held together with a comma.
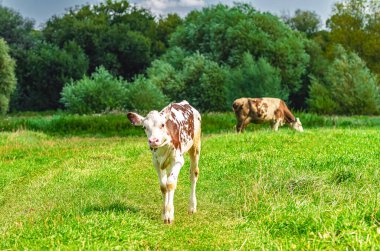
x: 114, y: 207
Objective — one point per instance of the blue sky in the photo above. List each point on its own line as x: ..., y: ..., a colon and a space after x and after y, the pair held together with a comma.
x: 41, y: 10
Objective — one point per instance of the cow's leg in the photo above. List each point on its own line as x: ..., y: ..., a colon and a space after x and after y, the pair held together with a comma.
x: 194, y: 174
x: 171, y: 184
x: 239, y: 126
x: 162, y: 178
x: 242, y: 124
x: 276, y: 124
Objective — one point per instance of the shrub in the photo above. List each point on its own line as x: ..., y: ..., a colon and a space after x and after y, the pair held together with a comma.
x: 224, y: 34
x: 349, y: 86
x: 204, y: 82
x: 166, y: 78
x: 7, y: 76
x: 43, y: 71
x: 144, y: 96
x: 254, y: 79
x: 98, y: 93
x: 196, y: 79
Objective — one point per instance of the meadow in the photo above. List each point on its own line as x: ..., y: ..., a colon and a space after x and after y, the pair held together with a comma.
x: 258, y: 190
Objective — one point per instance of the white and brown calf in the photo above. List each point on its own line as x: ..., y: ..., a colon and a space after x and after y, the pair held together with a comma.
x: 171, y: 133
x: 261, y: 110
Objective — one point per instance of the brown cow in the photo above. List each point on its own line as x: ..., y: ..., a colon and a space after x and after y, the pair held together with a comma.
x: 260, y: 110
x: 171, y: 133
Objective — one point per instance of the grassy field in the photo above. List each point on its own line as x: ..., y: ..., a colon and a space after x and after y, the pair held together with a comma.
x: 258, y: 190
x: 117, y: 124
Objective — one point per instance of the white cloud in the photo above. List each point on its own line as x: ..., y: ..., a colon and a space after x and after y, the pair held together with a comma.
x: 162, y: 7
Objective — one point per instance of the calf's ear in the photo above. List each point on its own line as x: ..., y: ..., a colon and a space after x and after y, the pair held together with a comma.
x: 135, y: 118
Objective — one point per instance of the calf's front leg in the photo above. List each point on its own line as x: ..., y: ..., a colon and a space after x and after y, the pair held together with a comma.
x: 171, y: 184
x: 162, y: 178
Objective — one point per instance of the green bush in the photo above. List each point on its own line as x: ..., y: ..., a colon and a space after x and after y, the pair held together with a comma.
x: 166, y: 78
x: 43, y: 71
x: 117, y: 124
x: 204, y: 83
x: 7, y: 76
x: 143, y: 96
x: 98, y: 93
x: 349, y: 87
x: 224, y: 34
x: 254, y: 79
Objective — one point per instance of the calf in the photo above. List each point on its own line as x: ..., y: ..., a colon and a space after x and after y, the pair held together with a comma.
x: 260, y: 110
x: 172, y: 132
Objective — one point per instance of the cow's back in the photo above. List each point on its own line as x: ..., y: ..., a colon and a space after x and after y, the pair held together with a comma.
x: 183, y: 124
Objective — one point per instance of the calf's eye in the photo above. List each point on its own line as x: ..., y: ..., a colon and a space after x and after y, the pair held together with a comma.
x: 163, y: 125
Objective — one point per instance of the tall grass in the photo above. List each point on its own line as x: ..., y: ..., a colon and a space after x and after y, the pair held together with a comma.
x: 118, y: 124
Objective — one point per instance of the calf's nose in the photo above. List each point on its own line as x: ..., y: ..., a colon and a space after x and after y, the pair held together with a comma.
x: 153, y: 140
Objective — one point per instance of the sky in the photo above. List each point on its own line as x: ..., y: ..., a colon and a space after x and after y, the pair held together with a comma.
x: 41, y: 10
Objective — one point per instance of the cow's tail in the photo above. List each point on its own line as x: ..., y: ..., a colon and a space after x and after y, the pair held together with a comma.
x: 289, y: 117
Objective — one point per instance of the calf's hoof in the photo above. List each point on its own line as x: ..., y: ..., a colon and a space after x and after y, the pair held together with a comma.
x: 168, y: 221
x: 192, y: 210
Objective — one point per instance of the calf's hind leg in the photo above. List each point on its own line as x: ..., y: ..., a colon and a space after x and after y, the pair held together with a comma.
x: 194, y: 153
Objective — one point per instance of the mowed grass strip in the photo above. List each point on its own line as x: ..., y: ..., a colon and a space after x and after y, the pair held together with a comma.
x: 263, y: 190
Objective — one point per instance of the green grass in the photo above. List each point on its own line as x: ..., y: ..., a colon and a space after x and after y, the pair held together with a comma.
x: 257, y: 190
x: 117, y: 124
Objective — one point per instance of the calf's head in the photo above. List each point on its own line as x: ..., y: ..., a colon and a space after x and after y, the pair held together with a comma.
x: 154, y: 125
x: 297, y: 125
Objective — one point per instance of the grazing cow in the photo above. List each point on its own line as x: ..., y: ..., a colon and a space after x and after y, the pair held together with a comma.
x: 172, y: 132
x: 260, y: 110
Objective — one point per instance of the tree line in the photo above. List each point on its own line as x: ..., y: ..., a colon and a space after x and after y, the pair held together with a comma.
x: 114, y: 55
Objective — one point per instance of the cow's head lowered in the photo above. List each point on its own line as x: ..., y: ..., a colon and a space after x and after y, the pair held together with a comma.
x: 296, y: 125
x: 154, y: 125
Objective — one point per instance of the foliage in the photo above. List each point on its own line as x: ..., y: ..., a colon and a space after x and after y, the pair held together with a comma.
x: 163, y: 75
x: 304, y: 21
x: 7, y: 76
x: 16, y: 30
x: 195, y: 78
x: 321, y: 100
x: 203, y: 83
x: 355, y: 24
x: 350, y: 87
x: 116, y: 124
x: 45, y: 69
x: 98, y: 93
x: 103, y: 193
x: 167, y: 26
x: 115, y: 34
x: 224, y: 34
x: 315, y: 70
x: 144, y: 96
x: 254, y: 79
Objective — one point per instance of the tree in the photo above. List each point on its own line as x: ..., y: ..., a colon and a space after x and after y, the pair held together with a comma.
x: 98, y: 93
x: 14, y: 29
x: 197, y: 79
x: 355, y: 24
x: 307, y: 22
x: 121, y: 37
x: 349, y: 87
x: 167, y: 26
x: 204, y: 83
x: 254, y: 79
x: 224, y: 34
x: 45, y: 70
x: 7, y: 76
x: 167, y: 78
x: 315, y: 70
x: 144, y: 96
